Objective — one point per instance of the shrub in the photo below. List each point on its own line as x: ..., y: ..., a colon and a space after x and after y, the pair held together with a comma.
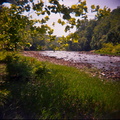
x: 3, y: 95
x: 20, y: 68
x: 109, y: 48
x: 116, y: 49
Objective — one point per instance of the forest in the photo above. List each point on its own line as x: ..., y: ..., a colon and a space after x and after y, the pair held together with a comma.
x: 99, y: 34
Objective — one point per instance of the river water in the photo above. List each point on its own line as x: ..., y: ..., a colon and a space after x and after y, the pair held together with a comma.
x: 98, y: 61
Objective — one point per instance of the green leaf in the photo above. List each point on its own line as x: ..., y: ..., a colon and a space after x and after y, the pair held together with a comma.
x: 93, y: 6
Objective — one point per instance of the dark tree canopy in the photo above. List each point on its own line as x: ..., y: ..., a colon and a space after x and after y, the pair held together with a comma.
x: 8, y: 1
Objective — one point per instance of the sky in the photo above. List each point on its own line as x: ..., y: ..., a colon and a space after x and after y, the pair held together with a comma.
x: 59, y: 29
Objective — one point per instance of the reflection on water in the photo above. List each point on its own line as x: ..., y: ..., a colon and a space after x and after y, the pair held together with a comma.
x: 106, y: 62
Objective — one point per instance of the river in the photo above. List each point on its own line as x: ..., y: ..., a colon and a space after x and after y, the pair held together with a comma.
x: 96, y: 60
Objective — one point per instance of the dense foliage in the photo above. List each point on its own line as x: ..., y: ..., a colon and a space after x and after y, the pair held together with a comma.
x: 14, y: 29
x: 17, y: 29
x: 23, y: 69
x: 93, y: 33
x: 109, y: 48
x: 19, y: 32
x: 90, y: 35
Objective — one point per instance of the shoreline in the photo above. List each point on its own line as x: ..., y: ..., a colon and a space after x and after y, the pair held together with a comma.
x: 101, y: 73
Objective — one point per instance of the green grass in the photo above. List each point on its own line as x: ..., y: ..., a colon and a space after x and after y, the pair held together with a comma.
x: 65, y: 92
x: 109, y: 49
x: 90, y: 90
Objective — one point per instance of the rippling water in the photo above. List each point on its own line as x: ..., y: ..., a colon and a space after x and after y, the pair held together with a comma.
x: 106, y: 62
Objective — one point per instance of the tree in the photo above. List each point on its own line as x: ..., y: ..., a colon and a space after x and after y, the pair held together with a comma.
x: 16, y: 2
x: 107, y: 30
x: 14, y: 30
x: 113, y: 36
x: 100, y: 30
x: 14, y: 34
x: 9, y: 1
x: 14, y: 26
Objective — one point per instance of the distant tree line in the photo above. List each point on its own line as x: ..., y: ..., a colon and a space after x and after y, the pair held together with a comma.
x: 92, y: 34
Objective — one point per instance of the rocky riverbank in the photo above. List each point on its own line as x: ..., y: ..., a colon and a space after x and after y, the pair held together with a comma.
x: 111, y: 74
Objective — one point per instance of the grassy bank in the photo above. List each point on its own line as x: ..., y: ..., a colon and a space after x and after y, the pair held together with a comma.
x: 49, y: 91
x: 109, y: 49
